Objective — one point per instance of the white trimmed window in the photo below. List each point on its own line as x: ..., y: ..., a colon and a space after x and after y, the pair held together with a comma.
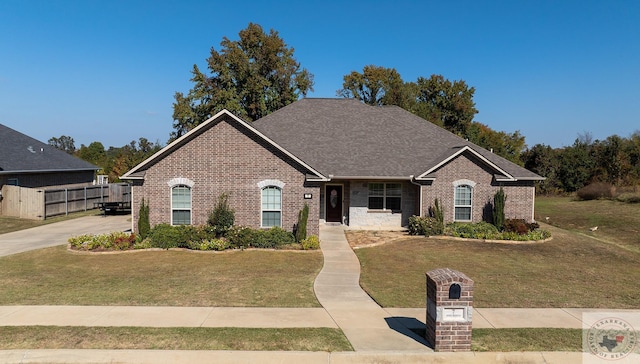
x: 271, y: 206
x: 181, y: 205
x: 385, y: 196
x: 462, y: 203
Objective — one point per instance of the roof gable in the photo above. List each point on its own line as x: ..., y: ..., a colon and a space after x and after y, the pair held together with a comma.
x: 138, y: 171
x: 20, y: 153
x: 455, y: 153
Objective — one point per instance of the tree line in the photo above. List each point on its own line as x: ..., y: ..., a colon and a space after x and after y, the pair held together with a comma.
x: 114, y: 161
x: 258, y: 74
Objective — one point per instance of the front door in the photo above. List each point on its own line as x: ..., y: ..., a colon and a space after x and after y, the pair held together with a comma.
x: 333, y: 203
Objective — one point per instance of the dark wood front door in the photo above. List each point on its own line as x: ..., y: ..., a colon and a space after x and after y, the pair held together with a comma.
x: 333, y: 203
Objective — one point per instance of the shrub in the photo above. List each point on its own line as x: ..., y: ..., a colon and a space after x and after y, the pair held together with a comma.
x: 222, y: 217
x: 480, y: 230
x: 242, y: 237
x: 113, y: 241
x: 425, y: 225
x: 77, y: 242
x: 310, y: 243
x: 213, y: 244
x: 142, y: 244
x: 519, y: 226
x: 628, y: 198
x: 531, y: 235
x: 143, y: 220
x: 437, y: 212
x: 596, y: 190
x: 164, y: 236
x: 498, y: 209
x: 124, y: 242
x: 239, y: 236
x: 301, y: 230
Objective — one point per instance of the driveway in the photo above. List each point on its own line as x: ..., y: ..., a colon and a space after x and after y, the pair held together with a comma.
x: 58, y: 233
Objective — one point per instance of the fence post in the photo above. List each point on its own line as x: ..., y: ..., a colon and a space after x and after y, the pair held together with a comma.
x: 85, y: 198
x: 66, y: 201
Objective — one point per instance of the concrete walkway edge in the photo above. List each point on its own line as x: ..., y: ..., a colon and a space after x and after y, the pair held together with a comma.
x: 271, y: 357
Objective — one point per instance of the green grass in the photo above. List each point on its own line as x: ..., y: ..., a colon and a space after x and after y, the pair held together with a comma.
x: 9, y: 224
x: 617, y: 222
x: 55, y: 276
x: 55, y: 337
x: 572, y: 270
x: 538, y: 339
x: 298, y: 339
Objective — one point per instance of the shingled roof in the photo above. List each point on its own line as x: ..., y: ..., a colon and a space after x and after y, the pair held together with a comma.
x: 344, y: 138
x: 20, y: 153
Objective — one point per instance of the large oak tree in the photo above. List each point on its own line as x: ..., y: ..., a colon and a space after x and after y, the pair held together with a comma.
x: 251, y: 77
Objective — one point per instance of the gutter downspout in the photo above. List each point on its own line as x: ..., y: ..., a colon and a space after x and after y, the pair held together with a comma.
x: 412, y: 180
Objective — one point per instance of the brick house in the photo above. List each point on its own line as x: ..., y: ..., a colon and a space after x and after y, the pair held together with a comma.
x: 353, y: 164
x: 27, y: 162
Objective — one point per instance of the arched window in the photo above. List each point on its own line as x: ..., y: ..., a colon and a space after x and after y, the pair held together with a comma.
x: 181, y: 205
x: 462, y: 203
x: 271, y: 206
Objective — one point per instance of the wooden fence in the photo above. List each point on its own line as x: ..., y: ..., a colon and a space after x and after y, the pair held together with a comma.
x: 38, y: 204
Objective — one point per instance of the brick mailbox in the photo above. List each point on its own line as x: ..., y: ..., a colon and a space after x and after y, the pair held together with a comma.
x: 449, y: 307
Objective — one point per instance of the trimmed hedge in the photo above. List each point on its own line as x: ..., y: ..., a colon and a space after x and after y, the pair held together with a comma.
x: 245, y: 237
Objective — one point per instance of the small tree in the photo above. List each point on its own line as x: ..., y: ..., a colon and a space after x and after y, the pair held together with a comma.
x: 301, y: 231
x: 143, y: 220
x: 437, y: 213
x: 222, y: 217
x: 498, y: 209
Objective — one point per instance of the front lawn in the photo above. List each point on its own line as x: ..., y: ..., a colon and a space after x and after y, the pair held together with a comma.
x: 617, y: 222
x: 180, y: 338
x: 571, y: 270
x: 55, y: 276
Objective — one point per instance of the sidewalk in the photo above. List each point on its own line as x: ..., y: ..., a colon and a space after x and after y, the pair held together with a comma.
x: 255, y: 317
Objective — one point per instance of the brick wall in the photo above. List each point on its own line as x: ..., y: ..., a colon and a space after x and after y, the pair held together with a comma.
x: 226, y: 158
x: 520, y: 195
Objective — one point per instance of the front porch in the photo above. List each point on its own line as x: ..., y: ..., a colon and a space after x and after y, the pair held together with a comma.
x: 369, y: 204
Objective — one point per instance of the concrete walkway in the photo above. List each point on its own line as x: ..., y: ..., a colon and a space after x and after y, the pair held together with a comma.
x: 367, y: 326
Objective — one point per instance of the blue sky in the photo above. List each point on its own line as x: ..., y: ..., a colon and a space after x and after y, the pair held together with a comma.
x: 107, y: 70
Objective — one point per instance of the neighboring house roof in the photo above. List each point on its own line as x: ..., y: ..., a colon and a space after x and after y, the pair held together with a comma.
x: 20, y: 153
x: 344, y: 138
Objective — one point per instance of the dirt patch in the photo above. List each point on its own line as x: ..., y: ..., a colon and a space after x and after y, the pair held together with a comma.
x: 365, y: 238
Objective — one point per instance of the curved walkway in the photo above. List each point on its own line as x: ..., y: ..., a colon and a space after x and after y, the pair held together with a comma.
x: 367, y: 326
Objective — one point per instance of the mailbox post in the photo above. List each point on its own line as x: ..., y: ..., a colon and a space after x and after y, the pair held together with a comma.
x: 449, y: 308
